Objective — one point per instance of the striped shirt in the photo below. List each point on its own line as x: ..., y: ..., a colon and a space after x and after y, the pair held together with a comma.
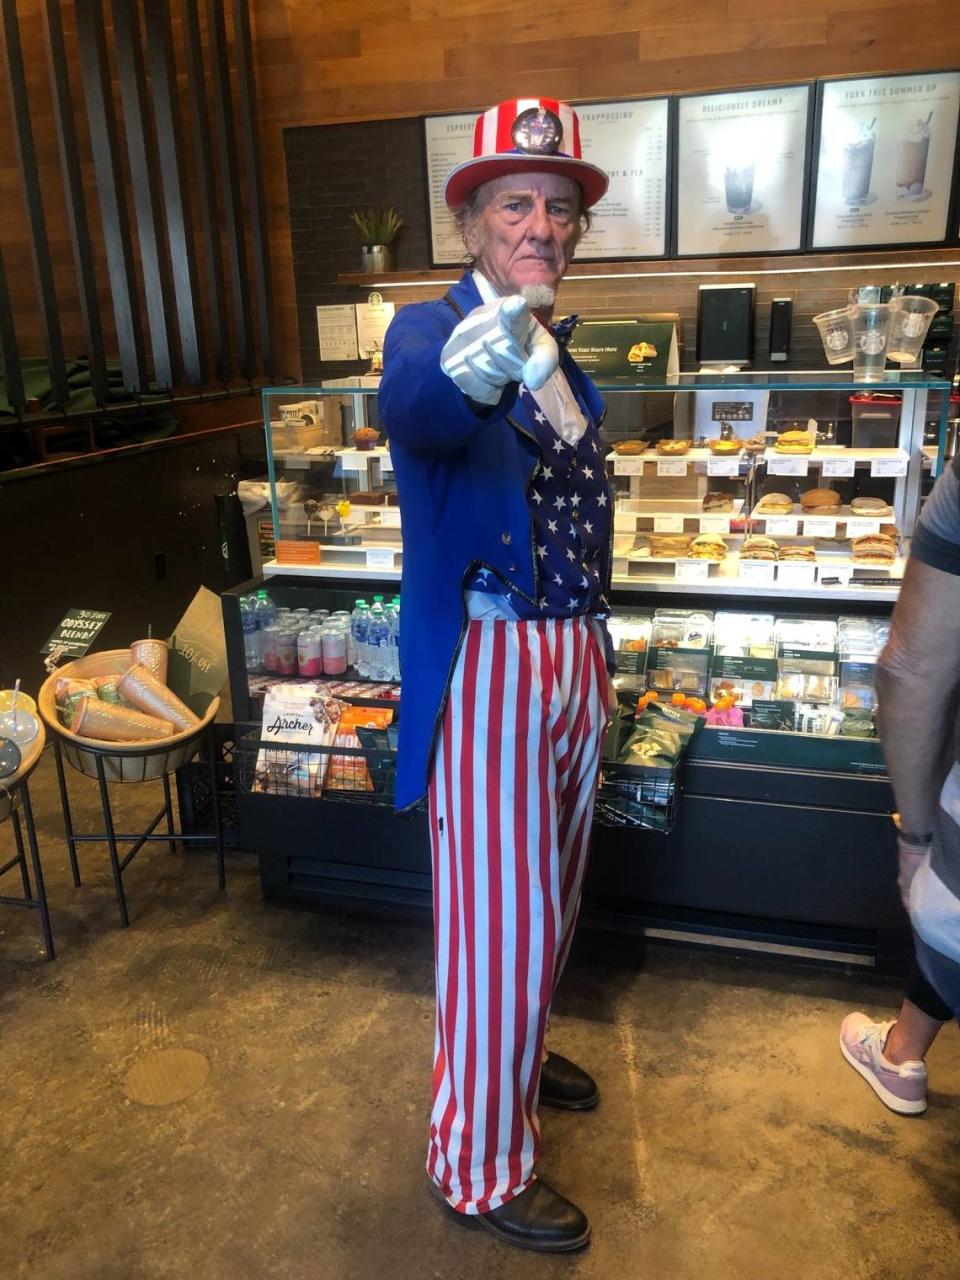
x: 935, y: 891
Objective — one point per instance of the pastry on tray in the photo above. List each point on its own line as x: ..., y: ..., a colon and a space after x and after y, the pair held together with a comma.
x: 673, y: 448
x: 725, y: 448
x: 630, y: 448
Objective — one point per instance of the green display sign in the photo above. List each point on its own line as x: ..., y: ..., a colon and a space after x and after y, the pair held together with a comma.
x: 633, y: 349
x: 774, y: 714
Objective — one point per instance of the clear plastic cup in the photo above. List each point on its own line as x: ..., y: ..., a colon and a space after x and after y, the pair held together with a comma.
x: 836, y: 334
x: 871, y: 326
x: 909, y: 321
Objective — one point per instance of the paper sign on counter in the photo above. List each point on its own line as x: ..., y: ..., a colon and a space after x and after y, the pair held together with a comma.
x: 796, y: 574
x: 390, y: 517
x: 671, y: 467
x: 723, y: 466
x: 714, y: 524
x: 289, y: 551
x: 691, y: 570
x: 788, y: 466
x: 758, y: 571
x: 628, y: 466
x: 782, y: 526
x: 888, y: 468
x: 381, y: 558
x: 668, y: 524
x: 838, y: 467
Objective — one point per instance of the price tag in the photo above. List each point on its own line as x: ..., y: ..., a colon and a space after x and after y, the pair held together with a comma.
x: 796, y: 574
x: 782, y: 526
x: 887, y: 468
x: 389, y: 517
x: 759, y: 571
x: 354, y: 460
x: 788, y: 466
x: 819, y: 527
x: 671, y: 466
x: 76, y: 632
x: 857, y: 528
x: 668, y: 524
x: 386, y: 463
x: 628, y: 466
x: 714, y: 524
x: 624, y: 522
x: 290, y: 551
x: 691, y: 570
x: 838, y: 467
x: 723, y: 466
x: 380, y: 558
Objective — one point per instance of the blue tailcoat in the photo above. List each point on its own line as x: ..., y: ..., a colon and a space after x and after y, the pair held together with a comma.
x: 462, y: 476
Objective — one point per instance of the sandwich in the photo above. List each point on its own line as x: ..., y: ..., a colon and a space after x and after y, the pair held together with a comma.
x: 874, y: 549
x: 725, y: 448
x: 708, y: 546
x: 629, y: 447
x: 870, y: 507
x: 820, y: 502
x: 775, y: 504
x: 669, y: 546
x: 797, y: 552
x: 716, y: 501
x: 794, y: 442
x: 640, y: 549
x: 673, y: 447
x: 758, y: 547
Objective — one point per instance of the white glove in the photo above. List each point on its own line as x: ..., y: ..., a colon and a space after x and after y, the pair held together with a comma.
x: 497, y: 343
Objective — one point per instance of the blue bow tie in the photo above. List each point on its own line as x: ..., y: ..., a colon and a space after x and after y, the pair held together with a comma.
x: 563, y: 330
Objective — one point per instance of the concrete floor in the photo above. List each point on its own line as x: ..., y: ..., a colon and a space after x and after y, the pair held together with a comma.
x: 732, y: 1142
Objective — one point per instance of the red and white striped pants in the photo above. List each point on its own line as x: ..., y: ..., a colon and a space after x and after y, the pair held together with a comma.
x: 511, y: 804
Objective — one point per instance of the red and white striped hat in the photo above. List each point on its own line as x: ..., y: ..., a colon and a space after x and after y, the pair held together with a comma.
x: 526, y: 134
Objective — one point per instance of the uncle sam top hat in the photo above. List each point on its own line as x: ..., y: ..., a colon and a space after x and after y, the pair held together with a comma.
x: 524, y: 135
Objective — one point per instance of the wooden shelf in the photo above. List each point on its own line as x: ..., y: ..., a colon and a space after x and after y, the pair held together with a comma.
x: 775, y: 264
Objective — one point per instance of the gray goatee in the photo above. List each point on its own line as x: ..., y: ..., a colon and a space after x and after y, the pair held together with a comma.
x: 539, y: 297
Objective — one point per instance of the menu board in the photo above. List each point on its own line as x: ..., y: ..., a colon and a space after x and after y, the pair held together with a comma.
x: 449, y: 141
x: 885, y: 163
x: 628, y: 140
x: 741, y: 163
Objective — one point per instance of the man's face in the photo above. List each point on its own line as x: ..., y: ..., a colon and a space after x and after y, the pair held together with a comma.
x: 526, y: 231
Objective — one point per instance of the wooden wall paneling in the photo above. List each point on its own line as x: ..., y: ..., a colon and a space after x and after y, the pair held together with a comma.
x: 158, y: 289
x: 199, y: 118
x: 29, y: 177
x: 176, y: 195
x: 230, y: 173
x: 250, y: 135
x: 76, y: 204
x: 13, y: 376
x: 102, y: 122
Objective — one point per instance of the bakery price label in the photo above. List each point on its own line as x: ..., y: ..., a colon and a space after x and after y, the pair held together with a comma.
x: 723, y: 466
x: 691, y: 570
x: 762, y: 572
x: 819, y: 527
x: 714, y: 524
x: 781, y: 526
x: 381, y: 558
x: 888, y: 468
x: 777, y: 466
x: 796, y: 573
x: 671, y: 467
x: 668, y: 524
x: 858, y: 528
x: 628, y: 466
x: 76, y: 632
x: 838, y: 467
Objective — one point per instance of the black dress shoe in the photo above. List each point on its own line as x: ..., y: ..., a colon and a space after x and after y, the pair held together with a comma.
x: 539, y: 1218
x: 565, y: 1086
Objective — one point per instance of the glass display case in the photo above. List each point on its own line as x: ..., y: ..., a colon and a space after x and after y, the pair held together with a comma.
x: 754, y: 485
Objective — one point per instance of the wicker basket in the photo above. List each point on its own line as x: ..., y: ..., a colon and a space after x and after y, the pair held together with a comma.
x: 122, y: 762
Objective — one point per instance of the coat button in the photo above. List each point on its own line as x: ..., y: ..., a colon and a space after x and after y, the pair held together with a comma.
x: 505, y: 539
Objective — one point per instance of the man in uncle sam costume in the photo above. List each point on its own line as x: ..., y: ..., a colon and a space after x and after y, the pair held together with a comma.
x: 506, y: 563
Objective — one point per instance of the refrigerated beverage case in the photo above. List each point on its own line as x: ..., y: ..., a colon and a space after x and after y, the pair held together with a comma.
x: 858, y: 166
x: 911, y: 167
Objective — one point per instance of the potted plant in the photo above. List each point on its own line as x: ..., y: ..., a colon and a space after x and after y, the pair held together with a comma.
x: 378, y: 230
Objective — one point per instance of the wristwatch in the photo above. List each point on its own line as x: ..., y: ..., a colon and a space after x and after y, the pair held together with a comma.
x: 911, y: 837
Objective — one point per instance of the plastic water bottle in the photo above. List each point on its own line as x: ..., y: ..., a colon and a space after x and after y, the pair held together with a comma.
x: 251, y: 636
x: 378, y: 641
x: 391, y: 665
x: 265, y: 611
x: 395, y: 639
x: 352, y: 649
x: 359, y: 626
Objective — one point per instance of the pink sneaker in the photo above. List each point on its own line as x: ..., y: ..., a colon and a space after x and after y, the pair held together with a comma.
x: 901, y: 1088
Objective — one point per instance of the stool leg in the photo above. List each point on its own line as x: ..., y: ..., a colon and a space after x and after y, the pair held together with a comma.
x: 215, y: 808
x: 67, y: 816
x: 38, y: 875
x: 112, y: 844
x: 21, y: 853
x: 168, y: 805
